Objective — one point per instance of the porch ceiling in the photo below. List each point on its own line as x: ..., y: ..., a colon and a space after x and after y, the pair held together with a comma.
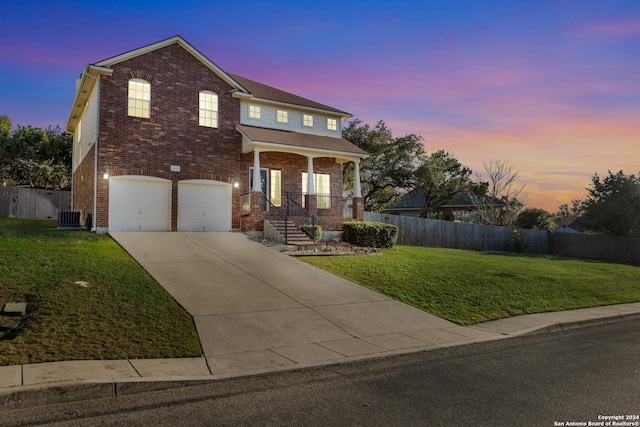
x: 298, y: 143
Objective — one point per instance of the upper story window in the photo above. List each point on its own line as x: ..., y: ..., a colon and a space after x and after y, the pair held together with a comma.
x: 139, y: 98
x: 208, y: 109
x: 332, y: 124
x: 307, y: 120
x: 254, y: 112
x: 282, y: 116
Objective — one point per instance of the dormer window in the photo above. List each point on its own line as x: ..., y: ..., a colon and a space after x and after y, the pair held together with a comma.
x: 332, y: 124
x: 139, y: 98
x: 208, y: 109
x: 307, y: 120
x: 254, y: 112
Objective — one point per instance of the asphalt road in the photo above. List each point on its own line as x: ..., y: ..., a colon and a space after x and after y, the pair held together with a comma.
x: 581, y: 376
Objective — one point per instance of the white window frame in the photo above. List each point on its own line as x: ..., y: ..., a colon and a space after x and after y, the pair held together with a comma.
x: 255, y: 112
x: 139, y: 98
x: 208, y: 108
x: 282, y: 116
x: 307, y: 120
x: 321, y: 181
x: 332, y: 124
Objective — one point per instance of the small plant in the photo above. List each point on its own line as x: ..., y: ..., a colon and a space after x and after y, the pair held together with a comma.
x: 520, y: 242
x: 315, y: 232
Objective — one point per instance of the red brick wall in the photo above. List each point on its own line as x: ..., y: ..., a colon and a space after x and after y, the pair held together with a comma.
x: 172, y: 135
x: 83, y: 186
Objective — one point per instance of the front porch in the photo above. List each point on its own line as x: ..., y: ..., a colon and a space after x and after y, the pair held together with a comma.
x: 297, y: 210
x: 300, y: 180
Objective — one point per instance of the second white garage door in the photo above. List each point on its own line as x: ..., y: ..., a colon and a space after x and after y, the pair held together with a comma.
x: 204, y: 205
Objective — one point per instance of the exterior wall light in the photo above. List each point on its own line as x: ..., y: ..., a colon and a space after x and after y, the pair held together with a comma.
x: 105, y: 174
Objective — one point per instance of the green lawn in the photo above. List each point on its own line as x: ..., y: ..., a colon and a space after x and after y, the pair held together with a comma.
x: 87, y: 299
x: 468, y: 287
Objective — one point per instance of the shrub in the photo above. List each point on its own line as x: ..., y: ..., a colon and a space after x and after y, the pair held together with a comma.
x: 370, y: 234
x: 520, y: 242
x: 315, y: 232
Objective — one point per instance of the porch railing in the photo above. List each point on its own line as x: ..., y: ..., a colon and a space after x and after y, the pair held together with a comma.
x: 292, y: 211
x: 327, y: 205
x: 301, y: 215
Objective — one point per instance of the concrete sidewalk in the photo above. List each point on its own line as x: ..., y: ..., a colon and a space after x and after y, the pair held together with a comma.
x: 257, y: 311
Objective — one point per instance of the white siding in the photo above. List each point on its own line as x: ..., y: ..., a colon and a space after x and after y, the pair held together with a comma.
x: 268, y: 119
x: 86, y: 133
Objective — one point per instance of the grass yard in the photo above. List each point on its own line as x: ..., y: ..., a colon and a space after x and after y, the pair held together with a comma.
x: 468, y: 287
x: 87, y: 299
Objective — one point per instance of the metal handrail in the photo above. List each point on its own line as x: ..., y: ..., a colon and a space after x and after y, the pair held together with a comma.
x: 274, y: 211
x: 303, y: 213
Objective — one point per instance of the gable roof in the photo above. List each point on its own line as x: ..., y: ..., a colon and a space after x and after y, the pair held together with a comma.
x: 168, y: 42
x: 300, y: 140
x: 262, y: 91
x: 243, y: 87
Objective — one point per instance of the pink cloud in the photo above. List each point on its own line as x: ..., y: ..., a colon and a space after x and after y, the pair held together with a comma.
x: 609, y: 29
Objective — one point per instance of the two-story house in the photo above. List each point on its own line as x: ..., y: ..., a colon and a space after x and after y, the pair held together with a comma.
x: 165, y: 140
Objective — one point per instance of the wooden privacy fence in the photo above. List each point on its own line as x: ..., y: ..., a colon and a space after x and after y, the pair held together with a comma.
x: 596, y: 246
x: 31, y: 203
x: 435, y: 233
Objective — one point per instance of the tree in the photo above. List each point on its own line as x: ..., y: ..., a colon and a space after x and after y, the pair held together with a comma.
x: 388, y: 172
x: 40, y: 158
x: 536, y: 219
x: 504, y: 198
x: 613, y: 204
x: 440, y: 177
x: 566, y: 215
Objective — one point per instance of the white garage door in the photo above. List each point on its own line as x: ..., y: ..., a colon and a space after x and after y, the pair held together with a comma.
x: 204, y: 205
x: 139, y: 203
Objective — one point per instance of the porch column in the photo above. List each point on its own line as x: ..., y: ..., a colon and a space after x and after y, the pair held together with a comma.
x: 311, y: 202
x: 257, y: 182
x: 356, y: 181
x: 311, y: 187
x: 358, y: 202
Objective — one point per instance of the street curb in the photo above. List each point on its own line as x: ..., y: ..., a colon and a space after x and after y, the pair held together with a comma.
x: 20, y: 397
x: 565, y: 326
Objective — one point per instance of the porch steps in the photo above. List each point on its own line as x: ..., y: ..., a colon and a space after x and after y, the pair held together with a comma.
x: 295, y: 236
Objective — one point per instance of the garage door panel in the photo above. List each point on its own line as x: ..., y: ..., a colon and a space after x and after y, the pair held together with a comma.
x: 204, y: 205
x: 138, y: 203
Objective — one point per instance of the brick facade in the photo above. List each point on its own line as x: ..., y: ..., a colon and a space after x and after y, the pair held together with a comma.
x: 172, y: 136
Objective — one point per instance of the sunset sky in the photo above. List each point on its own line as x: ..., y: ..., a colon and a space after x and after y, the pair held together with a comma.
x: 550, y: 87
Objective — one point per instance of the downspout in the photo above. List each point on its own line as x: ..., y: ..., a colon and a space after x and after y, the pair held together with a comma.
x: 94, y: 221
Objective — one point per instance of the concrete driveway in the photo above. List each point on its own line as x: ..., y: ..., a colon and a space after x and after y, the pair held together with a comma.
x: 256, y: 309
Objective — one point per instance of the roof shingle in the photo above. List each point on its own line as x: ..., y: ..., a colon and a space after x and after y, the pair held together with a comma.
x: 260, y: 90
x: 300, y: 139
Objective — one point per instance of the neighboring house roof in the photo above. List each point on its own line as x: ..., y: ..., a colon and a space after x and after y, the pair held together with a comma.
x: 296, y: 139
x: 577, y: 226
x: 266, y: 92
x: 566, y: 229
